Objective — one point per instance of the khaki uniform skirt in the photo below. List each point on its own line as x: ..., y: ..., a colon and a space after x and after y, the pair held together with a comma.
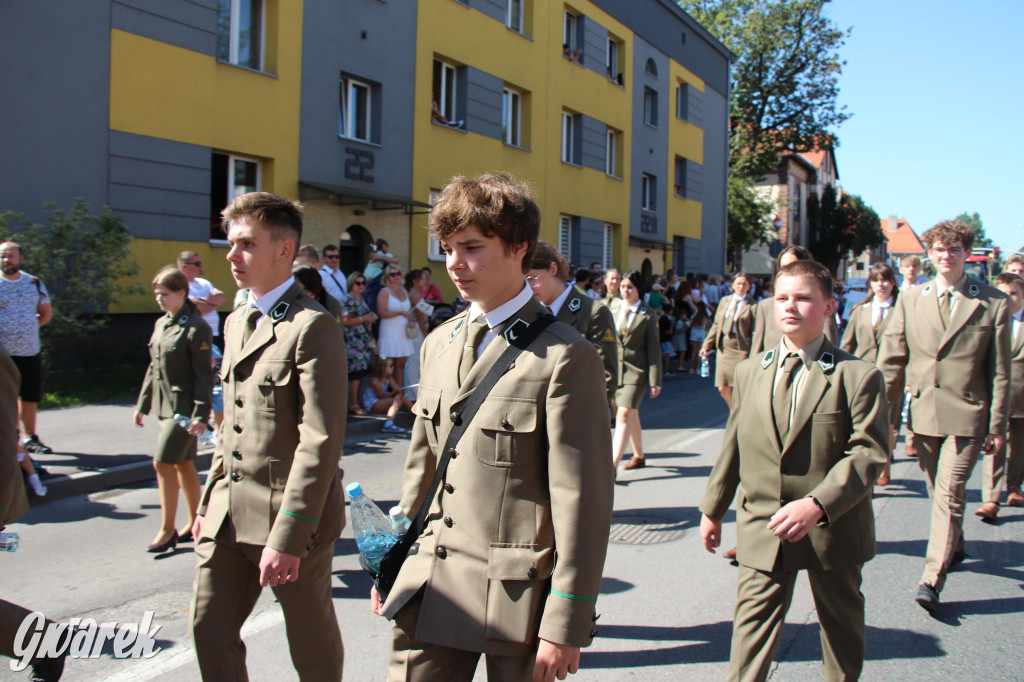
x: 631, y: 395
x: 729, y: 355
x: 174, y: 445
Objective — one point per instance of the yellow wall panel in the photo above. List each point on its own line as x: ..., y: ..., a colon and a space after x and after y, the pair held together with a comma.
x: 153, y: 254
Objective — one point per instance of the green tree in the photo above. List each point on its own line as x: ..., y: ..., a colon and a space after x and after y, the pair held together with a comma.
x: 83, y: 260
x: 785, y: 80
x: 841, y: 226
x: 747, y: 221
x: 981, y: 240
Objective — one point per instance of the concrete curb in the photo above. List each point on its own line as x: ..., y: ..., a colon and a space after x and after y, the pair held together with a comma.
x: 87, y: 482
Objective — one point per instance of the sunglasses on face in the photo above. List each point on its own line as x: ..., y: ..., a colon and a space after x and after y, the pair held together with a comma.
x: 359, y: 282
x: 331, y: 256
x: 395, y: 273
x: 196, y: 263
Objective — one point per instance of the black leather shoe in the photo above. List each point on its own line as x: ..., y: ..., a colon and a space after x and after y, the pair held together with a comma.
x: 185, y: 537
x: 927, y: 597
x: 171, y: 543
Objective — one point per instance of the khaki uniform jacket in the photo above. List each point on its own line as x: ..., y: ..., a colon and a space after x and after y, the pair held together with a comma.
x: 13, y: 502
x: 837, y: 445
x: 179, y: 379
x: 860, y: 337
x: 275, y: 471
x: 594, y: 321
x: 639, y: 349
x: 515, y: 542
x: 1017, y: 375
x: 959, y: 377
x: 744, y: 325
x: 767, y: 334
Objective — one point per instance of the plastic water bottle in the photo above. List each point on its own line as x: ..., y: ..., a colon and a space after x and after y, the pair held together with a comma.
x: 705, y: 369
x: 205, y: 440
x: 371, y: 525
x: 399, y: 521
x: 9, y: 542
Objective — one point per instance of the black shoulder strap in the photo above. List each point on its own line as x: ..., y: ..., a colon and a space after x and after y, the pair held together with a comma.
x: 469, y: 410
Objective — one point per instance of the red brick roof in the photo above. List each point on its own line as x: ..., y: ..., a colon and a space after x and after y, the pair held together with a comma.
x: 903, y: 239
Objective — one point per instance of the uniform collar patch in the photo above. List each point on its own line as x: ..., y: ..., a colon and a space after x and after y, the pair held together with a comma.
x: 278, y: 312
x: 927, y: 290
x: 767, y: 359
x: 973, y: 290
x: 183, y: 320
x: 826, y: 361
x: 514, y: 330
x: 455, y: 330
x: 574, y: 304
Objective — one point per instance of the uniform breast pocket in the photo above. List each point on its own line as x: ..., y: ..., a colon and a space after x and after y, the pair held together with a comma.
x: 506, y: 431
x: 273, y: 381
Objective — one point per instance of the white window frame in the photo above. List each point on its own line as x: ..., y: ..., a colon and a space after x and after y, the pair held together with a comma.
x: 650, y: 107
x: 569, y: 30
x: 680, y: 179
x: 235, y: 190
x: 609, y: 153
x: 568, y: 136
x: 648, y: 187
x: 608, y: 248
x: 434, y: 250
x: 681, y: 88
x: 565, y: 236
x: 611, y: 59
x: 513, y: 19
x: 446, y: 71
x: 512, y: 116
x: 235, y: 31
x: 348, y: 110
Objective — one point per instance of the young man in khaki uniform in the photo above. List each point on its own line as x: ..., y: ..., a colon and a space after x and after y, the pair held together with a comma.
x: 1008, y: 463
x: 530, y: 477
x: 952, y: 336
x: 273, y: 502
x: 806, y: 487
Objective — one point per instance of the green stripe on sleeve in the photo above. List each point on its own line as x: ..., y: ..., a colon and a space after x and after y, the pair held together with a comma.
x: 298, y: 516
x: 572, y: 596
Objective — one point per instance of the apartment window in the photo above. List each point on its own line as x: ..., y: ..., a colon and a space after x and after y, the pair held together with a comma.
x: 568, y: 137
x: 565, y: 236
x: 682, y: 101
x: 434, y: 251
x: 650, y: 68
x: 647, y: 191
x: 511, y: 116
x: 514, y: 15
x: 610, y: 160
x: 444, y: 91
x: 650, y: 107
x: 680, y: 186
x: 607, y: 247
x: 354, y: 112
x: 240, y: 32
x: 230, y: 176
x: 611, y: 61
x: 569, y: 31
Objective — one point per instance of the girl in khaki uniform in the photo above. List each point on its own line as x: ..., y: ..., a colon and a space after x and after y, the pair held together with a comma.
x: 730, y: 334
x: 179, y: 381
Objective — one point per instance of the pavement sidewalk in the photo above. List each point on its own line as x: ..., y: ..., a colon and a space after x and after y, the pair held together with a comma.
x: 96, y: 447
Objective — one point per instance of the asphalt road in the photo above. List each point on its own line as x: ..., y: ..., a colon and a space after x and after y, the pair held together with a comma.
x: 666, y: 603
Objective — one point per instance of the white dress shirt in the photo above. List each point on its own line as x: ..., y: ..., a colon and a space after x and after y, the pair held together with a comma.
x: 499, y: 315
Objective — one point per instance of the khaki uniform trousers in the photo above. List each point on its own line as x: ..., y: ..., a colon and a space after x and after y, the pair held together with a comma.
x: 1006, y: 464
x: 947, y: 462
x: 764, y: 599
x: 413, y: 660
x: 226, y: 590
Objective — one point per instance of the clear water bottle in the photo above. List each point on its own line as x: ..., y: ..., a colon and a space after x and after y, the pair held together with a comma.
x: 205, y: 440
x: 9, y: 542
x: 399, y: 521
x: 371, y: 526
x: 705, y: 368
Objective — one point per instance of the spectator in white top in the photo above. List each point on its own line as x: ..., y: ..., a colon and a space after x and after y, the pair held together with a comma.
x: 712, y: 294
x: 331, y: 274
x: 24, y: 308
x: 206, y: 297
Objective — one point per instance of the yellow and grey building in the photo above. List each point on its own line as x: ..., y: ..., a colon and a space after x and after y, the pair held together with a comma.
x: 615, y: 111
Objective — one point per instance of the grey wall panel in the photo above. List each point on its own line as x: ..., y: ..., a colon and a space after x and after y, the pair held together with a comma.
x: 55, y: 59
x: 496, y: 9
x: 161, y: 226
x: 483, y: 103
x: 593, y: 140
x: 650, y: 143
x: 377, y: 42
x: 662, y: 24
x: 190, y: 25
x: 133, y: 198
x: 156, y: 149
x: 591, y: 242
x: 694, y: 257
x: 694, y: 181
x: 166, y: 176
x: 715, y: 171
x: 595, y: 45
x: 696, y: 109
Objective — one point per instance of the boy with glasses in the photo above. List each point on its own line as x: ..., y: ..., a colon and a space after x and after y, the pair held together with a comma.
x: 952, y: 337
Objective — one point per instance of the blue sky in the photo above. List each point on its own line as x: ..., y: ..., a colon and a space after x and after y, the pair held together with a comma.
x: 937, y: 102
